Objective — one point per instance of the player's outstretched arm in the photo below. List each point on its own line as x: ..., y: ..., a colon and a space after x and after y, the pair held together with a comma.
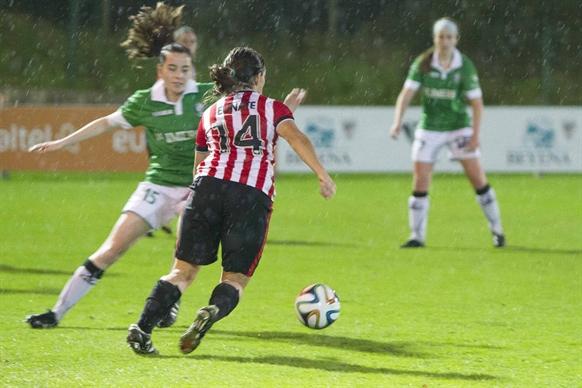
x: 295, y: 98
x: 94, y: 128
x: 404, y: 98
x: 303, y: 147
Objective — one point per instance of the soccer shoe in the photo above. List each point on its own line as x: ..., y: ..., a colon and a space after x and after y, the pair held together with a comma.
x: 43, y: 321
x: 203, y: 322
x: 498, y: 240
x: 412, y: 243
x: 171, y: 317
x: 139, y: 341
x: 166, y: 229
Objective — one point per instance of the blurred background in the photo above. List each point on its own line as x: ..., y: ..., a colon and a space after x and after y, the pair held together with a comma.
x: 346, y: 52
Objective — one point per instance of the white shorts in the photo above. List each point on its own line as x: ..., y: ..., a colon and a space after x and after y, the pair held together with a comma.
x: 427, y: 145
x: 157, y: 204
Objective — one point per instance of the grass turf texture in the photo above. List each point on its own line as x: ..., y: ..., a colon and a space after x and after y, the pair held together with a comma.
x: 458, y: 313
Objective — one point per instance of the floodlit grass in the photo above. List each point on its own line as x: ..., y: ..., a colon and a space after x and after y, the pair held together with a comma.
x: 458, y: 313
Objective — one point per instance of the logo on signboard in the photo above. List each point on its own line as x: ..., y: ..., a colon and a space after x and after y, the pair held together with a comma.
x: 540, y: 134
x: 321, y: 132
x: 329, y: 137
x: 408, y: 128
x: 541, y: 146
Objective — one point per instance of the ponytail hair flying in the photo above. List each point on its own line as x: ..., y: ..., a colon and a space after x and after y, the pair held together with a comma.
x: 151, y: 30
x: 238, y: 70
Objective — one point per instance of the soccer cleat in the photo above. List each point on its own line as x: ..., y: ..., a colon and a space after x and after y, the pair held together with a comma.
x: 412, y: 243
x: 171, y: 317
x: 43, y: 321
x: 203, y: 322
x: 498, y: 240
x: 139, y: 341
x: 166, y: 229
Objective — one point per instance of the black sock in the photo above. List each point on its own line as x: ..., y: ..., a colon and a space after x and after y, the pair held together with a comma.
x: 158, y: 304
x: 420, y: 194
x: 95, y: 271
x: 483, y: 189
x: 225, y: 297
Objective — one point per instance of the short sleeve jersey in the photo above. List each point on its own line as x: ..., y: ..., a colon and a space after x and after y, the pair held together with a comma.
x: 239, y: 132
x: 170, y: 130
x: 444, y: 93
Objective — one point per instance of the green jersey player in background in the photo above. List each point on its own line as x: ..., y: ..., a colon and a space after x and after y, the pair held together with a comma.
x: 448, y: 80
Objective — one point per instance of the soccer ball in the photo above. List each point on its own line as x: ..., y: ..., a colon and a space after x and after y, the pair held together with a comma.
x: 317, y: 306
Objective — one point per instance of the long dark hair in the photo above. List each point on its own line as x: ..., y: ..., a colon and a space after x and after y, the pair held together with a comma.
x: 152, y: 29
x: 238, y: 70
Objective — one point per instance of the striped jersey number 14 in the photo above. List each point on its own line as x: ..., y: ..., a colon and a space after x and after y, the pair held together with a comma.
x: 246, y: 137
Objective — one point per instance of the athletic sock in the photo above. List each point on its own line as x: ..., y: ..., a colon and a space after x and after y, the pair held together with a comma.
x: 418, y: 205
x: 488, y: 201
x: 225, y: 297
x: 82, y: 281
x: 158, y: 304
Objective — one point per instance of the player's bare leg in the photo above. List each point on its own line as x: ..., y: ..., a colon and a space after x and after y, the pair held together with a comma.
x: 126, y: 231
x: 223, y: 300
x: 486, y: 198
x: 418, y: 205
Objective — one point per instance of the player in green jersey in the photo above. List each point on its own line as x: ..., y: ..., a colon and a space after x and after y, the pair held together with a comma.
x: 169, y: 111
x: 448, y: 80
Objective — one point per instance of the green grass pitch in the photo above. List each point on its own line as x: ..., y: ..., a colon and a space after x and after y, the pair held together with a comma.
x: 458, y: 313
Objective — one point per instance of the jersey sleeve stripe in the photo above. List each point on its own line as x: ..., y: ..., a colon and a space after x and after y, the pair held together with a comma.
x: 116, y: 119
x: 474, y: 94
x: 281, y: 119
x: 411, y: 84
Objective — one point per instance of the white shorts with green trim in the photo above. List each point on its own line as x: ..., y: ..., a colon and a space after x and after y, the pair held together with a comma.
x: 427, y: 145
x: 157, y: 204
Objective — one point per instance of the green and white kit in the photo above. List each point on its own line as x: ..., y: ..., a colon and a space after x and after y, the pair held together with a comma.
x: 170, y: 129
x: 444, y: 120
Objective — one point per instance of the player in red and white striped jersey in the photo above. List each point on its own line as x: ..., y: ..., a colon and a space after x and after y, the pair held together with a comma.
x: 239, y: 134
x: 231, y: 200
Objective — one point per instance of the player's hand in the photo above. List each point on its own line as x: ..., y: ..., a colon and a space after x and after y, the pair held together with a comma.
x: 395, y: 130
x: 48, y: 146
x: 295, y: 98
x: 326, y: 187
x: 473, y: 144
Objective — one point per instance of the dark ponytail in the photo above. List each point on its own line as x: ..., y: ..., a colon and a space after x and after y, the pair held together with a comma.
x: 223, y: 78
x: 238, y: 71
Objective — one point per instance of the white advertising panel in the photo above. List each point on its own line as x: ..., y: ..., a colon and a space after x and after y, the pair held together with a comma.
x: 513, y: 139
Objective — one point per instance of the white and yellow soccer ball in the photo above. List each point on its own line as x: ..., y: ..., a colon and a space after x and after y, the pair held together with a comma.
x: 317, y: 306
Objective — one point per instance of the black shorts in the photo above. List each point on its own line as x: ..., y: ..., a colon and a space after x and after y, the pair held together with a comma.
x: 227, y: 213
